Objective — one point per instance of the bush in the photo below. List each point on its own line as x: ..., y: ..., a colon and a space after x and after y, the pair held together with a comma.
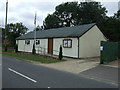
x: 33, y: 50
x: 60, y: 53
x: 6, y: 49
x: 16, y: 48
x: 104, y: 61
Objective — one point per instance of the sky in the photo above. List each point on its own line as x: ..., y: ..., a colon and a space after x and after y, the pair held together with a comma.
x: 24, y: 10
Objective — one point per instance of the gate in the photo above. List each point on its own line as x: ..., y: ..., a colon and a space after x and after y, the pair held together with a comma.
x: 109, y: 52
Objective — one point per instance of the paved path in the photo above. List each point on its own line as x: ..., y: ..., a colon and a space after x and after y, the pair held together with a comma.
x: 73, y: 65
x: 22, y: 74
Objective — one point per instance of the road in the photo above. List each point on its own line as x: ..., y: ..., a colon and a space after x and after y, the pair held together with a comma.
x: 22, y: 74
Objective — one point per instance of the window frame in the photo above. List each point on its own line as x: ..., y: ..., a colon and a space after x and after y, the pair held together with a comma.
x: 37, y: 43
x: 68, y: 41
x: 27, y: 42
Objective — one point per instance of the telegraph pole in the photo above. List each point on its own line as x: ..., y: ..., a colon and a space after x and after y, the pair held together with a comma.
x: 6, y: 18
x: 5, y: 41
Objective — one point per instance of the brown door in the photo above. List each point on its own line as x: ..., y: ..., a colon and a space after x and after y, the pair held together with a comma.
x: 50, y: 45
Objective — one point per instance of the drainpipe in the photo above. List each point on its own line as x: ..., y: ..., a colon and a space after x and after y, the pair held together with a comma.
x: 78, y: 48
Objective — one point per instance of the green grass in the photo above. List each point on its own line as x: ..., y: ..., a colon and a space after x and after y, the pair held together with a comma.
x: 31, y: 57
x: 9, y: 50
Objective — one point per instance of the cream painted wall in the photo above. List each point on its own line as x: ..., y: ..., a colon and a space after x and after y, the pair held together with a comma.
x: 90, y: 43
x: 42, y: 47
x: 23, y: 47
x: 70, y: 52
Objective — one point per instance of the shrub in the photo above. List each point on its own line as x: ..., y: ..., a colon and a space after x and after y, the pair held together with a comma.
x: 33, y: 50
x: 60, y: 53
x: 16, y: 48
x: 6, y: 49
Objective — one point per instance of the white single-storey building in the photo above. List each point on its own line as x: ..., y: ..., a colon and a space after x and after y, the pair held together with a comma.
x: 77, y: 42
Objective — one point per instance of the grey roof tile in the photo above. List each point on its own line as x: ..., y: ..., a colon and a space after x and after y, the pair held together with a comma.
x: 75, y: 31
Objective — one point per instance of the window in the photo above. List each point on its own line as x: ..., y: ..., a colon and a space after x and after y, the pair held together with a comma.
x: 37, y: 42
x: 27, y: 42
x: 67, y: 43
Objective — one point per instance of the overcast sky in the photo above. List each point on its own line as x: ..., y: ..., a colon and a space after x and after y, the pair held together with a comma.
x: 24, y: 10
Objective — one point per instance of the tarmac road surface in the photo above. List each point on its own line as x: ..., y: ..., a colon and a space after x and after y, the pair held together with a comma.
x: 22, y: 74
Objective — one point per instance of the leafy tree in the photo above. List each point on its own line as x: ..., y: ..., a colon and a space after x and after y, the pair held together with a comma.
x: 72, y: 14
x: 111, y: 28
x: 38, y: 28
x: 117, y: 15
x: 92, y: 12
x: 67, y: 12
x: 15, y: 30
x: 51, y: 21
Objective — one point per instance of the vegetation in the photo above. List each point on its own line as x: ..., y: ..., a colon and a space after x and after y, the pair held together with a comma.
x: 31, y: 57
x: 111, y: 28
x: 72, y: 14
x: 33, y: 50
x: 6, y: 48
x: 16, y: 48
x: 60, y: 53
x: 13, y: 31
x: 39, y: 28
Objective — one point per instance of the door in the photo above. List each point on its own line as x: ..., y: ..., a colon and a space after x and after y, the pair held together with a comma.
x: 50, y: 45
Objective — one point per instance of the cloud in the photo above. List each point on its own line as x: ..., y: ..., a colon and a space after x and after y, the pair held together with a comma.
x: 24, y: 10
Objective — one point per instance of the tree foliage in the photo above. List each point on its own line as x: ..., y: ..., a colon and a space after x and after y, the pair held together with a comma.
x: 72, y: 14
x: 111, y: 28
x: 51, y: 21
x: 15, y: 30
x: 39, y: 28
x: 117, y: 15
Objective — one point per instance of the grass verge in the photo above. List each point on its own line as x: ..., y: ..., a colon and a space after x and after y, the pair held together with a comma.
x: 31, y: 57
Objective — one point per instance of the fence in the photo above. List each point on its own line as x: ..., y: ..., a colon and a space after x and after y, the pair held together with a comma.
x: 42, y: 50
x: 110, y: 51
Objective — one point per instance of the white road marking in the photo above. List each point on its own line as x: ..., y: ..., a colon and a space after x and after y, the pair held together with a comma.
x: 22, y: 75
x: 0, y: 64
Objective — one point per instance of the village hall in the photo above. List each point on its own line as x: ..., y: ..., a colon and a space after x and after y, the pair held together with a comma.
x: 81, y: 41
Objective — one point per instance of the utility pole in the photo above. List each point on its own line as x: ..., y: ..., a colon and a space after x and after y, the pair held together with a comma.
x: 6, y: 17
x: 5, y: 41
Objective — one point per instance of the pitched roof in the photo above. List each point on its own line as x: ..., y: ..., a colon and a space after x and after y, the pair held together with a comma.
x: 75, y: 31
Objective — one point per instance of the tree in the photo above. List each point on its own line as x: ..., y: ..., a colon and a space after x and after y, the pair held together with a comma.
x: 51, y: 21
x: 38, y: 28
x: 15, y: 30
x: 111, y: 28
x: 60, y: 53
x: 92, y: 12
x: 117, y: 15
x: 71, y: 14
